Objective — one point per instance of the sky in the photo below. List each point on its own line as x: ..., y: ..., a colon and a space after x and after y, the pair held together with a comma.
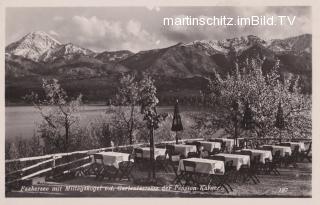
x: 141, y: 28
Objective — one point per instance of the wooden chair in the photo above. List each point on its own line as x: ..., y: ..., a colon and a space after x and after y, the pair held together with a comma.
x: 189, y: 173
x: 271, y: 166
x: 306, y: 154
x: 293, y: 158
x: 286, y: 144
x: 104, y: 170
x: 173, y: 162
x: 193, y: 155
x: 139, y: 160
x: 125, y: 168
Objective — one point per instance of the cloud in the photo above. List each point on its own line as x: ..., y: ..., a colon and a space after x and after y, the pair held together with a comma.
x: 53, y: 33
x: 101, y: 34
x: 58, y: 18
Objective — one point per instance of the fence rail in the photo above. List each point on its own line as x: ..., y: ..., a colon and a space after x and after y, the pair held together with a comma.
x: 50, y: 162
x: 62, y: 163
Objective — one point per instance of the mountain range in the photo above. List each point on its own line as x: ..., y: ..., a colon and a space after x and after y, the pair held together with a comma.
x: 179, y: 70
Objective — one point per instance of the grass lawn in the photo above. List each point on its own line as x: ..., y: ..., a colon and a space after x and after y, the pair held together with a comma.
x: 293, y: 182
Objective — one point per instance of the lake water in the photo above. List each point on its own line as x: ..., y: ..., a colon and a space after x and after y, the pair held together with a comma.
x: 22, y: 121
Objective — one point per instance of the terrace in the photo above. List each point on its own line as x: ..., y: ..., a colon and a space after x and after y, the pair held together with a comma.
x: 75, y: 174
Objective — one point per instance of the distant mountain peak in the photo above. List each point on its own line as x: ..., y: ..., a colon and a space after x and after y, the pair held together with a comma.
x: 66, y: 51
x: 33, y: 45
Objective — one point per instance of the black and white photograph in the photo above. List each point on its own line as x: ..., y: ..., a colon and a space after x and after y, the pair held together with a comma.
x: 158, y: 101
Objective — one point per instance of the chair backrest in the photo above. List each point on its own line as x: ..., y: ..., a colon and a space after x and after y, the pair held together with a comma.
x: 189, y: 164
x: 277, y: 154
x: 215, y: 140
x: 193, y: 155
x: 286, y: 144
x: 214, y: 151
x: 241, y: 143
x: 256, y: 160
x: 245, y: 152
x: 223, y: 146
x: 161, y: 146
x: 228, y: 164
x: 97, y: 157
x: 138, y: 152
x: 170, y: 147
x: 270, y: 148
x: 309, y: 148
x: 219, y: 158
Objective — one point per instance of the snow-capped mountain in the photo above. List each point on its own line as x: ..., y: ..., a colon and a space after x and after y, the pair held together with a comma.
x: 113, y: 56
x: 65, y: 52
x: 33, y: 45
x: 183, y: 67
x: 299, y: 44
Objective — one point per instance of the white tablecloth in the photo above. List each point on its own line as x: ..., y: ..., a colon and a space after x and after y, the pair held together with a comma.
x: 237, y: 159
x: 283, y: 149
x: 262, y: 154
x: 209, y: 146
x: 113, y: 158
x: 157, y: 152
x: 184, y: 149
x: 300, y: 144
x: 205, y: 166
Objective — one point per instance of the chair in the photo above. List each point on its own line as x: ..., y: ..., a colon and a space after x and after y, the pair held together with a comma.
x: 306, y: 154
x: 271, y: 166
x: 217, y: 157
x: 104, y: 170
x: 193, y: 155
x: 173, y: 162
x: 161, y: 161
x: 242, y: 144
x: 245, y: 152
x: 138, y: 159
x: 125, y: 168
x: 223, y: 146
x: 286, y: 144
x: 293, y: 158
x: 256, y: 167
x: 268, y: 147
x: 214, y: 151
x: 220, y: 179
x: 189, y: 173
x: 246, y: 172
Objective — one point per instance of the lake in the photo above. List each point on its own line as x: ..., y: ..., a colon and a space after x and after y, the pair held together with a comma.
x: 22, y: 121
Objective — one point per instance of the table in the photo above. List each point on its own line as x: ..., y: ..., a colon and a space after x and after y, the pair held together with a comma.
x: 157, y: 152
x: 204, y: 166
x: 262, y: 154
x: 113, y: 158
x: 209, y: 146
x: 237, y: 159
x: 300, y: 144
x: 183, y: 149
x: 283, y: 149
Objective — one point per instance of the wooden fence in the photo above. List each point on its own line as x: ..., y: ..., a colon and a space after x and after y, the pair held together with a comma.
x: 20, y: 170
x: 61, y: 164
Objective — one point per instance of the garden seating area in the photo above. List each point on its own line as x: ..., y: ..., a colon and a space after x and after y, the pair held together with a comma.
x: 216, y: 164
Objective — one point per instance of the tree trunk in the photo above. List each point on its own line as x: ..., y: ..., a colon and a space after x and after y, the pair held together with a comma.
x: 131, y: 125
x: 67, y: 134
x: 152, y: 153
